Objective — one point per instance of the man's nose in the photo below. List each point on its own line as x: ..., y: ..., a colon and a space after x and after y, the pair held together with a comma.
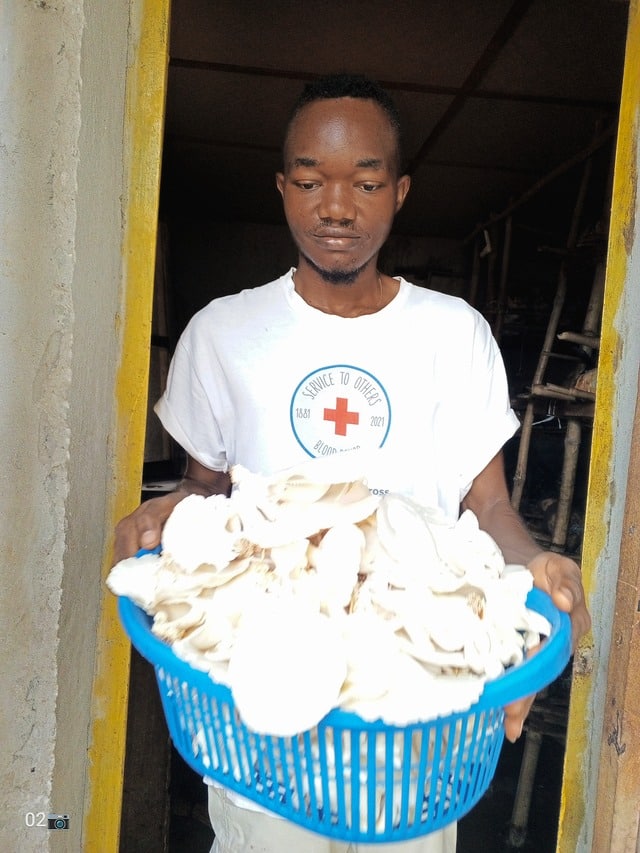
x: 337, y: 203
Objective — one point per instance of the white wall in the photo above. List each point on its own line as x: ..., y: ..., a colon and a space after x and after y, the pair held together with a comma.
x: 62, y: 70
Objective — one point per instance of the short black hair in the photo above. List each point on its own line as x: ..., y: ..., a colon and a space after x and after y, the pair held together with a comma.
x: 343, y: 85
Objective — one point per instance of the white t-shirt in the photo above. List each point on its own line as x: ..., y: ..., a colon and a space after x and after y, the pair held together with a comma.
x: 262, y: 379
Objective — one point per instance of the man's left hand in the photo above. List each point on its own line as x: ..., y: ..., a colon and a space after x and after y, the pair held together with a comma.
x: 559, y: 576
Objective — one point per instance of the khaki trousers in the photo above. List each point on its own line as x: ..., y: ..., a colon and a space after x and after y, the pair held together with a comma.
x: 240, y: 830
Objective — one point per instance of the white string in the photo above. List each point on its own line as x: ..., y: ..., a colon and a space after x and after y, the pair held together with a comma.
x: 550, y: 416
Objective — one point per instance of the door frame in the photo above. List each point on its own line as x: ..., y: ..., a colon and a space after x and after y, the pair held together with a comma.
x: 143, y: 126
x: 601, y: 780
x: 608, y: 478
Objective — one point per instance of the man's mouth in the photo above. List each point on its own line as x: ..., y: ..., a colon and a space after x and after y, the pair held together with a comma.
x: 335, y: 238
x: 335, y: 232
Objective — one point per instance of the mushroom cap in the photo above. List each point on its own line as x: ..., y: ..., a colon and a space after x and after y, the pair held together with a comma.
x: 286, y: 670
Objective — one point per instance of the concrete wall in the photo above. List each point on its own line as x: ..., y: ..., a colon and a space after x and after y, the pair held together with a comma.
x: 62, y: 82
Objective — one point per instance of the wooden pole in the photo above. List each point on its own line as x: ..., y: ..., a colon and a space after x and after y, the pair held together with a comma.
x: 520, y: 475
x: 526, y: 778
x: 587, y: 153
x: 475, y: 274
x: 593, y: 315
x: 498, y: 321
x: 572, y: 440
x: 492, y: 286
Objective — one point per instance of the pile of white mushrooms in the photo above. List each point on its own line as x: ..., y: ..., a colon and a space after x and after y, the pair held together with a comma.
x: 304, y: 592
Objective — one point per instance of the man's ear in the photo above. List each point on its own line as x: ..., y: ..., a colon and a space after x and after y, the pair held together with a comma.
x: 402, y: 188
x: 280, y: 182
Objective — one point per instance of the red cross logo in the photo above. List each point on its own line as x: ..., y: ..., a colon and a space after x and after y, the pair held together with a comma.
x: 341, y: 416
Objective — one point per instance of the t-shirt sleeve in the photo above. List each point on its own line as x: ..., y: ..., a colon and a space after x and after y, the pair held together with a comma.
x: 186, y: 412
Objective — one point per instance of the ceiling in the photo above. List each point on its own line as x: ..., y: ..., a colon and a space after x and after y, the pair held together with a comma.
x: 496, y: 96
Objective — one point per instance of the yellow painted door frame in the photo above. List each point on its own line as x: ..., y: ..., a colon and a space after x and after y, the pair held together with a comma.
x: 146, y: 83
x: 584, y: 819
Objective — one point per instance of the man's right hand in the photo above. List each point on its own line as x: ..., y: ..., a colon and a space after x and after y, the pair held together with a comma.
x: 143, y: 527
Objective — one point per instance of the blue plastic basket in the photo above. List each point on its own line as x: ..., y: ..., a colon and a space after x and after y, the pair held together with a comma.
x: 347, y: 778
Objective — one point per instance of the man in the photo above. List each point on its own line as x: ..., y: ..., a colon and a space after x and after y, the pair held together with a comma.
x: 334, y: 356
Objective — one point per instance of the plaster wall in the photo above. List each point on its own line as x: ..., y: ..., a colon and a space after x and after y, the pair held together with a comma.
x: 62, y: 80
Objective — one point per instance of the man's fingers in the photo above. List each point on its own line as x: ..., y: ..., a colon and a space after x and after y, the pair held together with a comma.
x: 516, y: 713
x: 143, y: 527
x: 150, y: 538
x: 572, y: 601
x: 132, y: 534
x: 148, y: 527
x: 561, y: 577
x: 514, y: 716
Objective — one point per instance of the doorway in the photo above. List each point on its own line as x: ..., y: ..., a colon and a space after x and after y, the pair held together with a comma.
x: 517, y: 95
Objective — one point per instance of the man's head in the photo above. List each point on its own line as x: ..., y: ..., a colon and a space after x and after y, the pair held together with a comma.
x: 350, y: 86
x: 341, y: 183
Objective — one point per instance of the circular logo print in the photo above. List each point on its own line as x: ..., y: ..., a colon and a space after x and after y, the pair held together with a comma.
x: 338, y: 408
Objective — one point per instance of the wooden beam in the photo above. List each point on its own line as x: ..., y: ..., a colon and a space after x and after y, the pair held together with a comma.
x: 562, y: 168
x: 411, y: 86
x: 505, y: 30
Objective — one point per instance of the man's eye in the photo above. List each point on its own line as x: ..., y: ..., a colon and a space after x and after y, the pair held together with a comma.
x: 306, y: 185
x: 369, y: 188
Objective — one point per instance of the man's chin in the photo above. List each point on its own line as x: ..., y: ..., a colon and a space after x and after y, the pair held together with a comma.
x: 336, y: 275
x: 339, y: 276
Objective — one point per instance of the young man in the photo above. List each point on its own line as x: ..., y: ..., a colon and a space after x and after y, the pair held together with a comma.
x: 334, y: 356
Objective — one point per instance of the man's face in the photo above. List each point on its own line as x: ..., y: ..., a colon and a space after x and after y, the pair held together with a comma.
x: 340, y: 186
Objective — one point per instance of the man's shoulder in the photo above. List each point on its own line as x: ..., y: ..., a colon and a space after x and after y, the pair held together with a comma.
x: 437, y: 302
x: 243, y: 303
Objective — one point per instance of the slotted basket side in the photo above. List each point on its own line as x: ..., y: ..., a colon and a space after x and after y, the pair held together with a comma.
x: 348, y: 778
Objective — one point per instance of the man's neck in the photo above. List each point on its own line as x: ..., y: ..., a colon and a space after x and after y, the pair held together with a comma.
x: 369, y: 293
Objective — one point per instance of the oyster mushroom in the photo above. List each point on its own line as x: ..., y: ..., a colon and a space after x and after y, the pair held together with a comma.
x: 150, y: 580
x: 174, y: 619
x: 302, y: 592
x: 336, y: 560
x: 204, y: 531
x: 137, y: 578
x: 288, y: 522
x: 286, y: 669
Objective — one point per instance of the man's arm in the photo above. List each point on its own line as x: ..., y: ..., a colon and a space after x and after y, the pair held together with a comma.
x: 143, y: 527
x: 554, y: 573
